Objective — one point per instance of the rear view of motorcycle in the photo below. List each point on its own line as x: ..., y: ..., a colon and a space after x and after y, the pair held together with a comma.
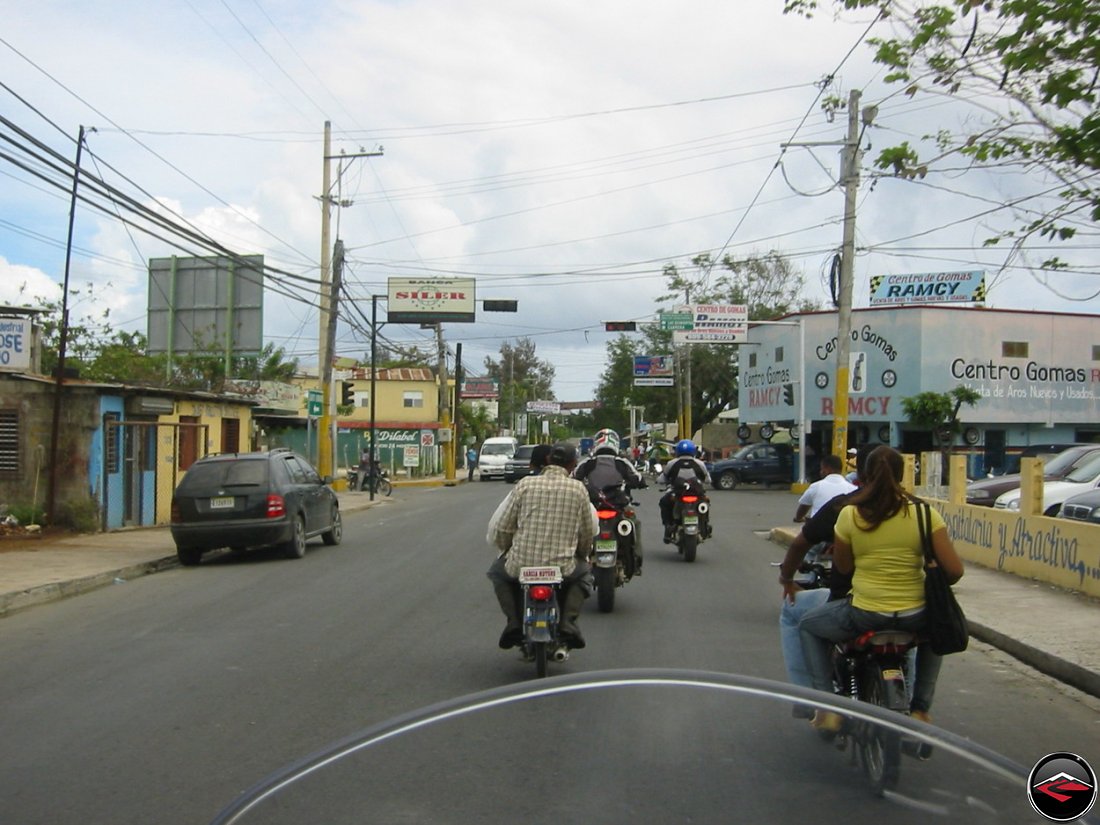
x: 541, y: 615
x: 614, y: 557
x: 691, y: 525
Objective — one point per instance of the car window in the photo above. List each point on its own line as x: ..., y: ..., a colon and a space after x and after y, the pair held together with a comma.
x: 524, y: 452
x: 311, y: 475
x: 244, y: 473
x: 1087, y: 470
x: 496, y: 449
x: 297, y: 473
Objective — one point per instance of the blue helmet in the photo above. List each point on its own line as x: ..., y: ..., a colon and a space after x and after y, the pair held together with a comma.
x: 685, y: 446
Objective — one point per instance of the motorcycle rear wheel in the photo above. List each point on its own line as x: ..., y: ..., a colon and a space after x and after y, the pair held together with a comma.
x: 540, y: 658
x: 688, y: 546
x: 879, y: 748
x: 605, y: 588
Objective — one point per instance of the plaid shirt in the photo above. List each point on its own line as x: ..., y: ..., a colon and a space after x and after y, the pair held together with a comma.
x: 547, y: 520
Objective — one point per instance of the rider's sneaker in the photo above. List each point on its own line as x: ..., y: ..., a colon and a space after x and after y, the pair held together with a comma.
x: 827, y: 722
x: 570, y: 634
x: 924, y: 749
x: 669, y: 529
x: 512, y: 636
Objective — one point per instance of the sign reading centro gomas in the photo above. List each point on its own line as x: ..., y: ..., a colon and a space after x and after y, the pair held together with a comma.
x: 928, y: 288
x: 714, y: 324
x: 430, y: 300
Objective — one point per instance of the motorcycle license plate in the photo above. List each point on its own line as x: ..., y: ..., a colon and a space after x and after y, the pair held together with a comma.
x: 221, y: 503
x: 606, y: 545
x: 690, y: 520
x: 893, y: 675
x: 540, y: 575
x: 605, y: 559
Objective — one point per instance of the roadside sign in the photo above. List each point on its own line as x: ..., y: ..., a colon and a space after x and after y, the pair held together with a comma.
x: 928, y: 288
x: 314, y: 408
x: 550, y: 407
x: 649, y: 366
x: 411, y: 455
x: 675, y: 320
x: 715, y: 324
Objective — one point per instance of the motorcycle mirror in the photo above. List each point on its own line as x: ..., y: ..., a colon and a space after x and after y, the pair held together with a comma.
x: 657, y: 467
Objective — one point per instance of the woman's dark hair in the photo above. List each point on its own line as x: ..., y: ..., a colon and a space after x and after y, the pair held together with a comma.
x: 880, y: 497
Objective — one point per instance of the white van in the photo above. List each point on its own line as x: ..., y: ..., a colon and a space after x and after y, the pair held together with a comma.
x: 494, y: 454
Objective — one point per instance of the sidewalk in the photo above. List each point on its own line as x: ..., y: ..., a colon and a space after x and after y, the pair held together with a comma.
x: 1049, y: 629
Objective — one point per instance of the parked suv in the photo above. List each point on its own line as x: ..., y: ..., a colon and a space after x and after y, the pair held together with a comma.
x: 241, y: 500
x: 519, y: 465
x: 764, y: 463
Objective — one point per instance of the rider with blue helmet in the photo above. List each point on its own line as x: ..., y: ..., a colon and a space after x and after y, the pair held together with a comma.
x: 685, y: 466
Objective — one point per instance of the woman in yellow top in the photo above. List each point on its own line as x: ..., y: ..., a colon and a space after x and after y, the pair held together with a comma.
x: 878, y: 541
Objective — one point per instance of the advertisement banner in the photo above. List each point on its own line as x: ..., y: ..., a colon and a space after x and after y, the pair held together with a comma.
x: 15, y: 344
x: 715, y: 324
x: 928, y: 288
x: 430, y: 300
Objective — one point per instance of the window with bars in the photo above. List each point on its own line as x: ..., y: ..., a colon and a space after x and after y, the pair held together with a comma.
x: 9, y: 443
x: 112, y: 442
x: 414, y: 398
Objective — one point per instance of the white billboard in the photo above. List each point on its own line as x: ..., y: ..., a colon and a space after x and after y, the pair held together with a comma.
x: 15, y: 344
x: 430, y: 300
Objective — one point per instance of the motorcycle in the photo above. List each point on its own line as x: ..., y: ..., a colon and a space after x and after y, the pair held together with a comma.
x: 614, y: 560
x: 689, y: 517
x: 540, y: 588
x: 875, y: 668
x: 383, y: 485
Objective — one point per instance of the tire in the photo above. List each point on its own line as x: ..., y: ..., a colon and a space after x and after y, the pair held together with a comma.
x: 295, y: 548
x: 879, y: 748
x: 540, y: 658
x: 336, y: 534
x: 384, y: 487
x: 605, y: 588
x: 688, y: 546
x: 188, y: 556
x: 727, y: 481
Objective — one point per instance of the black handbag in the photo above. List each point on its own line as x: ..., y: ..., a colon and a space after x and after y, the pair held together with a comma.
x: 946, y: 624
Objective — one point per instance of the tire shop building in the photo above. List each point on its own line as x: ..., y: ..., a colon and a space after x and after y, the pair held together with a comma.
x: 1038, y: 374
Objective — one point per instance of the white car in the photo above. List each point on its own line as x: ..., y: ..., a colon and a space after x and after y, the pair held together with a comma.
x: 1084, y: 478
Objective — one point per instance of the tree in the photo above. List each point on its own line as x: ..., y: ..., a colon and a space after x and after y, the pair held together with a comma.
x: 522, y: 377
x: 938, y: 412
x: 1033, y: 65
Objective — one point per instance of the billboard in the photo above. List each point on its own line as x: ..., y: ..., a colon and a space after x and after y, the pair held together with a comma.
x: 654, y: 370
x: 206, y: 304
x: 928, y: 288
x: 714, y: 324
x: 430, y: 300
x: 15, y: 344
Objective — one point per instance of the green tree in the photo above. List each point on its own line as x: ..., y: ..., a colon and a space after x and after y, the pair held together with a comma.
x: 1033, y: 63
x: 522, y: 377
x: 938, y: 412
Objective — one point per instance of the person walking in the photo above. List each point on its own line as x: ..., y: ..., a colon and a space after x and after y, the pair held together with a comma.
x: 471, y: 462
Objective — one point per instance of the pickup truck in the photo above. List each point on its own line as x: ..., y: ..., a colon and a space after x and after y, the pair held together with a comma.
x: 763, y: 463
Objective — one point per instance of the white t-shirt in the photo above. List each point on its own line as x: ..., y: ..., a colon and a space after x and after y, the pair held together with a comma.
x: 820, y: 493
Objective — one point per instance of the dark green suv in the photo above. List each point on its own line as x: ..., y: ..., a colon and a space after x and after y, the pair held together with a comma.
x: 763, y: 463
x: 241, y: 500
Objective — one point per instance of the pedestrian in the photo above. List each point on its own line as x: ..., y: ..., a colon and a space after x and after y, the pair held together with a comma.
x: 471, y: 462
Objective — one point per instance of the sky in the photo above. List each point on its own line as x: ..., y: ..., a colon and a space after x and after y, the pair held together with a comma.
x: 561, y: 154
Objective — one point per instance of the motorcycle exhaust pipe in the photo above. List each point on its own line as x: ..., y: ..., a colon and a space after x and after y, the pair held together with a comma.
x: 561, y: 654
x: 625, y: 528
x: 703, y: 507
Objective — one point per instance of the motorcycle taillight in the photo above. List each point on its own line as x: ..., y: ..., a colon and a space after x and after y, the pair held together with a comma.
x: 689, y: 499
x: 541, y: 593
x: 606, y: 514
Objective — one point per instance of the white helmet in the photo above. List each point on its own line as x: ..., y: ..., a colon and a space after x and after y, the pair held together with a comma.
x: 605, y: 442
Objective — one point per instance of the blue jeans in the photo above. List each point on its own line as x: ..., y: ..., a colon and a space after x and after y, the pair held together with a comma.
x: 838, y: 621
x: 798, y: 673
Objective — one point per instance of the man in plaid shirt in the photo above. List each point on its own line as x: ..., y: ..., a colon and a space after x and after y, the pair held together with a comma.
x: 547, y: 521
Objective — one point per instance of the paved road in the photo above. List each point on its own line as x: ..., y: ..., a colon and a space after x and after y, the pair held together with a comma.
x: 161, y: 700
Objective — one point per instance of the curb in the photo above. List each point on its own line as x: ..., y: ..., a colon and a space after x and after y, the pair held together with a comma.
x: 13, y: 602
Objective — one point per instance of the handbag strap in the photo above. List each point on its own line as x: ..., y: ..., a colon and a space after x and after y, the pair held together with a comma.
x: 924, y: 525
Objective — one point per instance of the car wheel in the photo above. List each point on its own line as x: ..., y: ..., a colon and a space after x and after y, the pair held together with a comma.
x: 336, y: 534
x: 727, y: 481
x: 295, y: 548
x: 188, y: 556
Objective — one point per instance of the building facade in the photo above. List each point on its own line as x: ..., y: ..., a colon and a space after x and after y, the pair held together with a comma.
x: 1038, y: 375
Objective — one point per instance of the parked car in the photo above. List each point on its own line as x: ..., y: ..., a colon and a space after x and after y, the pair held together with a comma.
x: 1064, y: 459
x: 1079, y: 480
x: 519, y: 465
x: 494, y: 454
x: 242, y: 500
x: 1082, y: 507
x: 763, y: 463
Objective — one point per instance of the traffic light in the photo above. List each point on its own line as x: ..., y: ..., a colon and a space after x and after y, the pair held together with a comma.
x: 500, y: 306
x: 788, y: 394
x: 347, y: 393
x: 620, y: 326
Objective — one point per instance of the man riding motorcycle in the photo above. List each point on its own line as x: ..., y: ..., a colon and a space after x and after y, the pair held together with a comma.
x: 547, y: 520
x: 684, y: 467
x: 605, y: 469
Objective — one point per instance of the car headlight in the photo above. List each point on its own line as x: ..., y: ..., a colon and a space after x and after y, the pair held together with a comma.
x: 1014, y: 504
x: 978, y: 495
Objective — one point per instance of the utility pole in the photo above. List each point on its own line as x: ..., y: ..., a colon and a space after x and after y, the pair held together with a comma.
x: 55, y: 429
x: 328, y: 305
x: 445, y: 407
x: 847, y: 268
